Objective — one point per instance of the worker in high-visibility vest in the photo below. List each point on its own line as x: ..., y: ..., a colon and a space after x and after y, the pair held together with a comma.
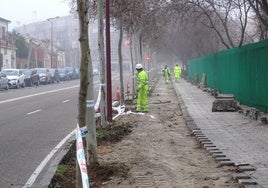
x: 177, y: 72
x: 142, y: 89
x: 166, y: 74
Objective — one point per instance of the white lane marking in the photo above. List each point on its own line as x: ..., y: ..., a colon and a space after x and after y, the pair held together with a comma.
x: 33, y: 112
x: 38, y: 170
x: 36, y: 94
x: 66, y: 101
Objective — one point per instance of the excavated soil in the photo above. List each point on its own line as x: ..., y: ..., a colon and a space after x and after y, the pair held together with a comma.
x: 156, y: 150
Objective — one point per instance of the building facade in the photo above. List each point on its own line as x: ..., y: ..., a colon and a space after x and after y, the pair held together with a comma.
x: 7, y: 48
x: 64, y: 34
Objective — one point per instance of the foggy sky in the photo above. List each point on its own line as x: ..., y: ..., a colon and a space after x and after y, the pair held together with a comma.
x: 21, y: 12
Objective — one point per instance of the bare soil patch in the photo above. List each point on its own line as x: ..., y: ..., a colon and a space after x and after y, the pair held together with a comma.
x: 150, y: 150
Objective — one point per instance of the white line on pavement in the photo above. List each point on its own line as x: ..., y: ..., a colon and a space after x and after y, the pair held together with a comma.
x: 33, y: 112
x: 38, y: 170
x: 65, y: 101
x: 36, y: 94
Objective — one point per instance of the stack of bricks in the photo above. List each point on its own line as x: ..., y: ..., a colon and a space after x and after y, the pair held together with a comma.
x: 224, y: 103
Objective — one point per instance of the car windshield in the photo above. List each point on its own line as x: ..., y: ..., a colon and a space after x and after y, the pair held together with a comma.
x: 52, y: 71
x: 69, y: 69
x: 41, y: 71
x: 61, y: 70
x: 11, y: 72
x: 26, y: 71
x: 2, y: 74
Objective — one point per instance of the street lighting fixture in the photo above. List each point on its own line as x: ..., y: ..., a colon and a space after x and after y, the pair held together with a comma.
x: 50, y: 20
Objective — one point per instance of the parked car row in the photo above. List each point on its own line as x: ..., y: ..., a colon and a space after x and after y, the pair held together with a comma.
x: 16, y: 78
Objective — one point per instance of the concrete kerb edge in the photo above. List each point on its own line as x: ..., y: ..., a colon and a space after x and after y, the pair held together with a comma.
x: 44, y: 178
x: 197, y: 133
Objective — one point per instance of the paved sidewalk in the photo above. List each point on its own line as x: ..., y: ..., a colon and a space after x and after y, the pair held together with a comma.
x: 242, y: 140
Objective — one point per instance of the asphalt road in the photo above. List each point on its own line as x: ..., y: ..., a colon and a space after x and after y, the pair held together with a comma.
x: 32, y: 122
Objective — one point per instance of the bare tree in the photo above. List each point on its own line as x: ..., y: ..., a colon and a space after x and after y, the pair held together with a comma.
x: 260, y: 8
x: 227, y: 18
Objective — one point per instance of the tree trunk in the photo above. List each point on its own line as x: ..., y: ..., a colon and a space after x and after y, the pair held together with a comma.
x: 86, y: 93
x: 132, y: 67
x: 102, y: 62
x: 122, y: 99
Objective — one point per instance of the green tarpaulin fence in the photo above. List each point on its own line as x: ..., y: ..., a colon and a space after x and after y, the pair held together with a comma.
x: 242, y: 71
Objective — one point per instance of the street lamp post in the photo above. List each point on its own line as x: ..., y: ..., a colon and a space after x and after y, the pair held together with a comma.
x: 50, y: 20
x: 108, y: 63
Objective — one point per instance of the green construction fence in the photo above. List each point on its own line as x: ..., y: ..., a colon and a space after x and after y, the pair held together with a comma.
x: 242, y: 71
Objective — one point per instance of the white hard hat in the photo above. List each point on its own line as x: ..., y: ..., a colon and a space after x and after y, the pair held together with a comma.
x: 139, y: 66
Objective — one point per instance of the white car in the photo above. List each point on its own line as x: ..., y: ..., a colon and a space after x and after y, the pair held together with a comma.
x: 3, y: 81
x: 15, y: 78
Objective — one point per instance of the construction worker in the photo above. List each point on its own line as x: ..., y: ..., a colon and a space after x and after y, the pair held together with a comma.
x: 177, y: 72
x: 142, y: 89
x: 166, y: 74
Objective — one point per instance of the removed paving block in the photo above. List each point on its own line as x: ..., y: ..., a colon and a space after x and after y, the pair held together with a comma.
x: 225, y: 163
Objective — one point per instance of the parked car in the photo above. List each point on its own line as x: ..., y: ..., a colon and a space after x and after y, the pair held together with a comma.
x: 15, y: 78
x: 3, y: 81
x: 63, y: 74
x: 31, y: 77
x: 45, y: 76
x: 77, y: 70
x: 71, y: 72
x: 55, y: 75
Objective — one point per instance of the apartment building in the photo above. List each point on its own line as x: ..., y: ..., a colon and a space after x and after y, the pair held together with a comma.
x: 7, y: 48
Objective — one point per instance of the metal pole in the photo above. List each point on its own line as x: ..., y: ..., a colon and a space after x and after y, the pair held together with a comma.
x: 51, y: 41
x: 108, y: 63
x: 51, y: 38
x: 51, y: 55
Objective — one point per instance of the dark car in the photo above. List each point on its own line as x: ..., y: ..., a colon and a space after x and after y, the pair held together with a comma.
x: 54, y: 75
x: 45, y: 76
x: 63, y: 74
x: 77, y: 71
x: 3, y: 81
x: 71, y: 72
x: 31, y: 77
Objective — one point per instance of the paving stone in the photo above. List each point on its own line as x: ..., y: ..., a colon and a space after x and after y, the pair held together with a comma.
x: 222, y: 159
x: 214, y: 152
x: 241, y: 176
x: 209, y: 146
x: 214, y: 149
x: 225, y: 163
x: 196, y: 131
x: 206, y: 142
x: 218, y: 155
x: 200, y: 136
x: 246, y: 168
x: 252, y: 186
x: 203, y: 139
x: 247, y: 182
x: 241, y: 164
